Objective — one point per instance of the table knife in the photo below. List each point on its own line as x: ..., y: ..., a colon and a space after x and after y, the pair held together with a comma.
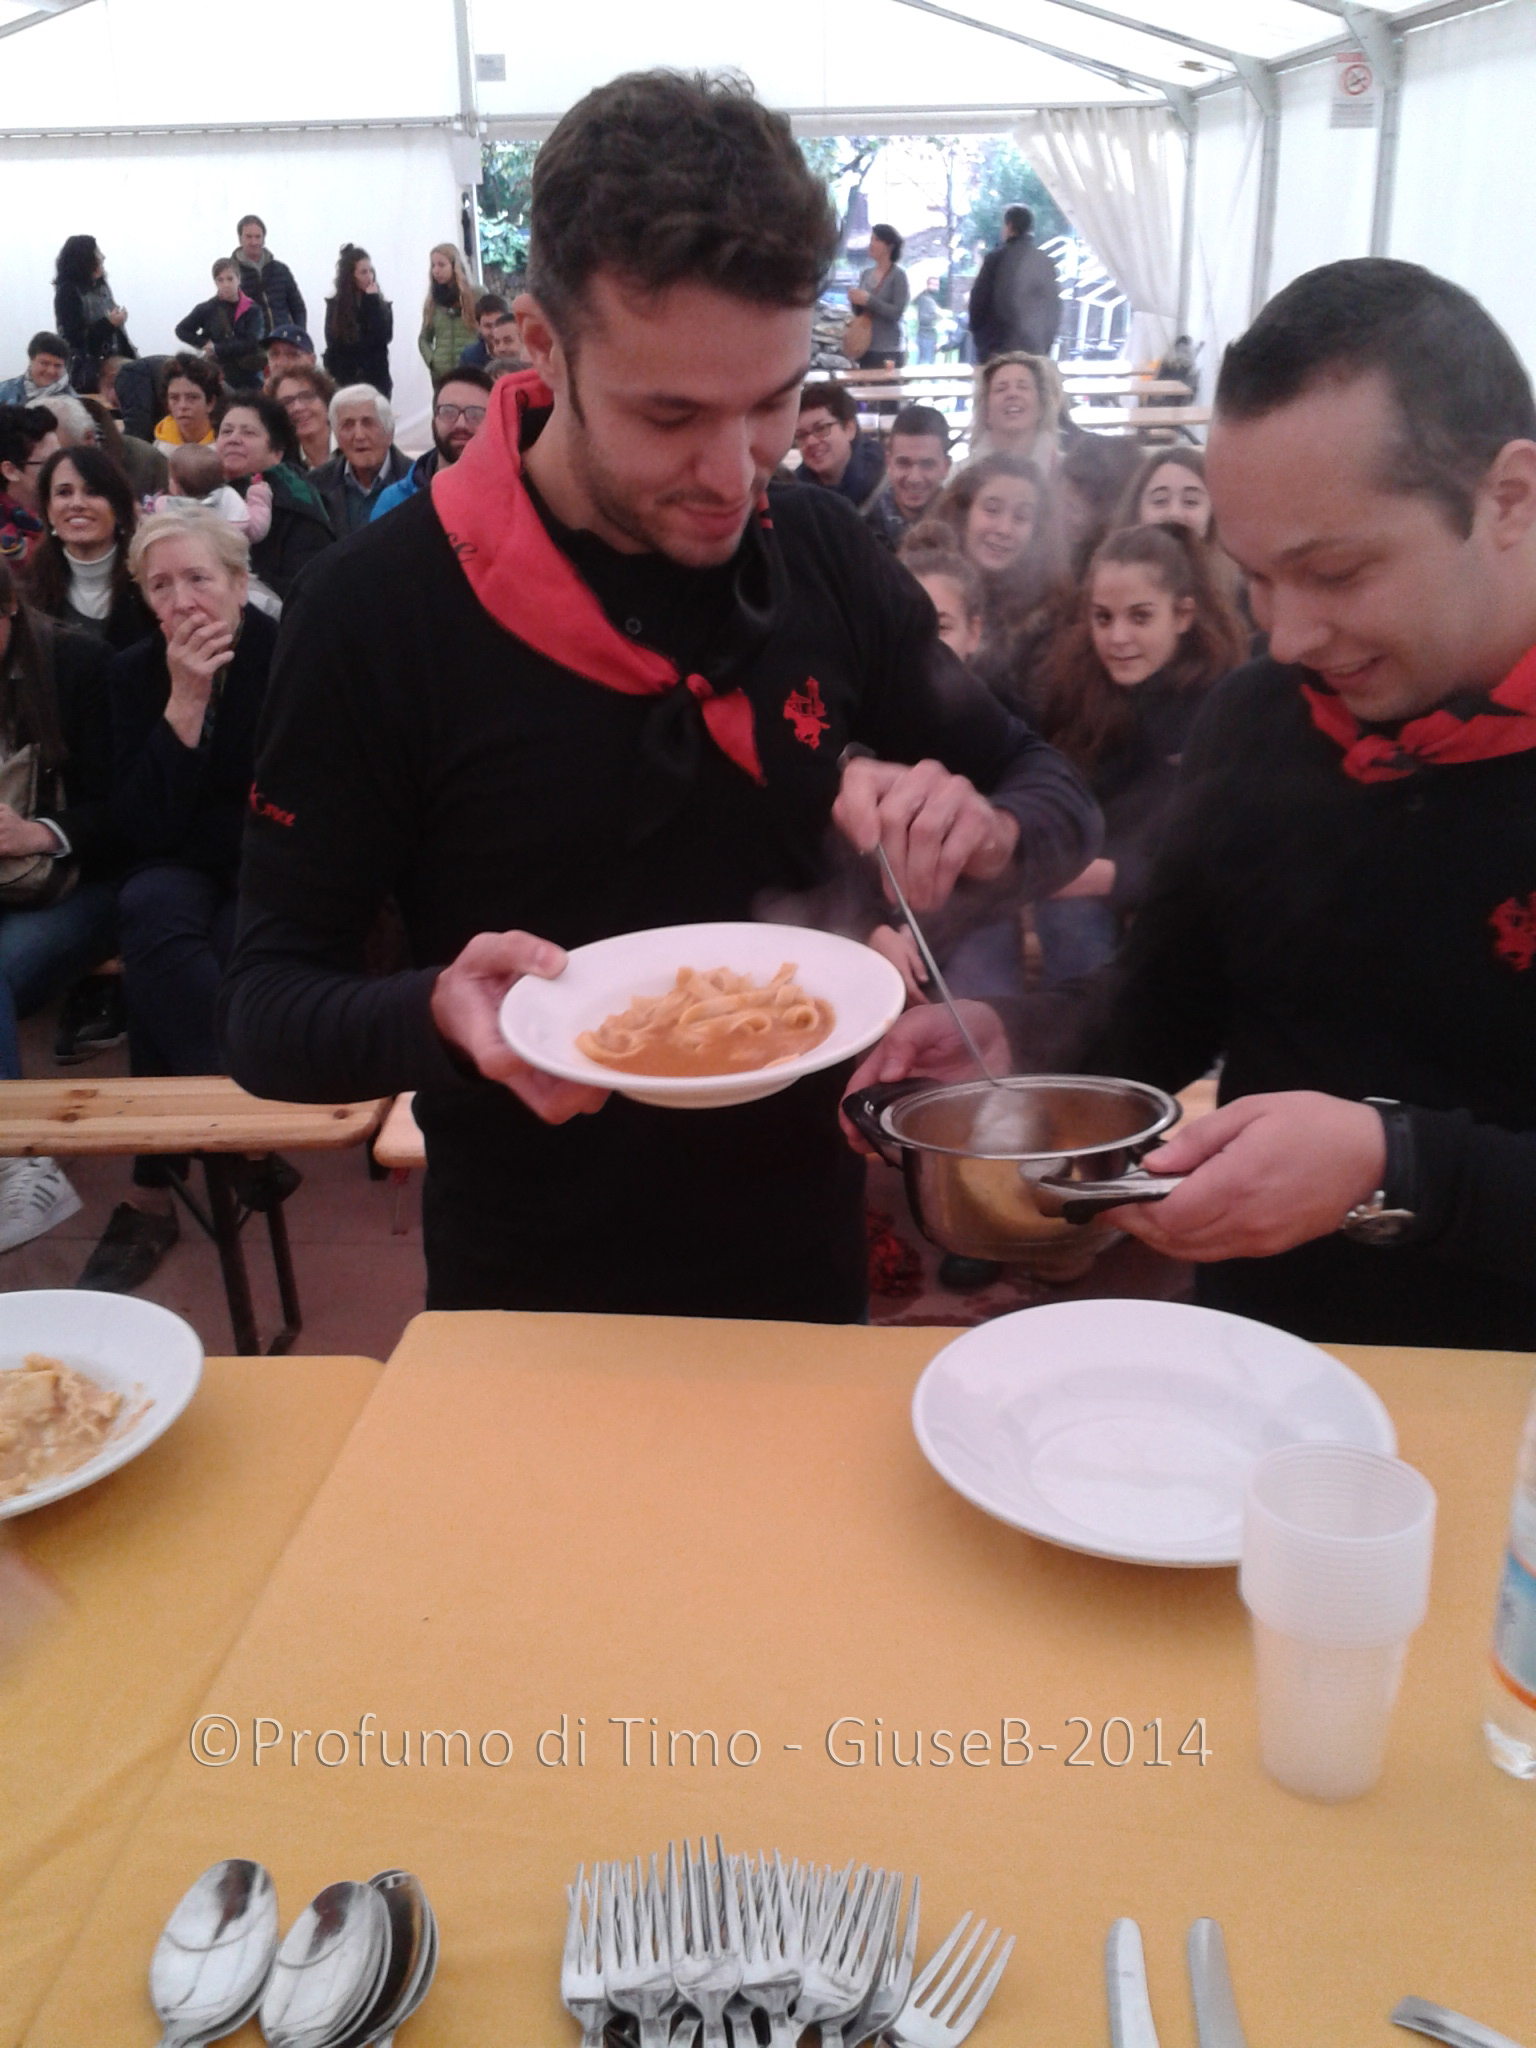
x: 1125, y: 1979
x: 1420, y: 2017
x: 1210, y: 1982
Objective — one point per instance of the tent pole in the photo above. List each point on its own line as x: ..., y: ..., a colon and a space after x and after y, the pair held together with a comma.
x: 1264, y: 86
x: 1385, y: 51
x: 1187, y: 224
x: 470, y: 115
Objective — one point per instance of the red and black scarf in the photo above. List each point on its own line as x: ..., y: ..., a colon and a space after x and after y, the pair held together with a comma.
x: 529, y: 586
x: 1473, y: 725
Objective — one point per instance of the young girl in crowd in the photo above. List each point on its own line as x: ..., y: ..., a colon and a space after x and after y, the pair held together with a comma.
x: 1017, y: 409
x: 1153, y: 633
x: 999, y: 513
x: 1168, y: 489
x: 193, y: 388
x: 448, y: 317
x: 953, y: 586
x: 1089, y: 483
x: 79, y: 571
x: 359, y: 323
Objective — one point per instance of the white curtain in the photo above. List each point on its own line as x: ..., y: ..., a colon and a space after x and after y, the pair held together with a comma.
x: 1117, y: 173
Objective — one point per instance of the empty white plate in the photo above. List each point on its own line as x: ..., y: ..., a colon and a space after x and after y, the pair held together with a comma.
x: 1128, y: 1428
x: 139, y: 1350
x: 541, y: 1020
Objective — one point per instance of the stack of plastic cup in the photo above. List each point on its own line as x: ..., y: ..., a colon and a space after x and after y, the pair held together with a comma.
x: 1337, y: 1545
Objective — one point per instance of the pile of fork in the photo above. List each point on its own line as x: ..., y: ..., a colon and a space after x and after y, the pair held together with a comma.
x: 720, y: 1944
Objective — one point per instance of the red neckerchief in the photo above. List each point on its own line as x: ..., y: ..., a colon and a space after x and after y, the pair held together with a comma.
x: 1471, y: 726
x: 527, y: 585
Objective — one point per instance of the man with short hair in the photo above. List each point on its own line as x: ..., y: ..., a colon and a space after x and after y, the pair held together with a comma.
x: 506, y: 345
x: 1015, y: 302
x: 833, y: 453
x: 288, y: 347
x: 603, y: 676
x: 46, y: 375
x: 489, y: 308
x: 366, y: 461
x: 458, y: 413
x: 916, y: 465
x: 266, y: 280
x: 1344, y: 908
x: 28, y: 436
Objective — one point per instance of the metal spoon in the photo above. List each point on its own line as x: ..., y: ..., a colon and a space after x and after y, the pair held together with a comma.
x: 329, y: 1968
x: 412, y: 1960
x: 932, y: 966
x: 212, y: 1963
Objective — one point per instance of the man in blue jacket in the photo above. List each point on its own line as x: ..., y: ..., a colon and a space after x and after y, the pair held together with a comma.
x: 458, y: 414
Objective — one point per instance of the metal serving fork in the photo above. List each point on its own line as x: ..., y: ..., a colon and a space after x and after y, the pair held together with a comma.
x: 582, y: 1990
x: 893, y: 1975
x: 839, y: 1965
x: 770, y: 1977
x: 933, y: 2016
x: 707, y: 1957
x: 636, y: 1953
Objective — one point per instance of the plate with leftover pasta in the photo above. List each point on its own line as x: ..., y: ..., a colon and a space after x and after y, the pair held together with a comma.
x: 700, y: 1016
x: 87, y: 1382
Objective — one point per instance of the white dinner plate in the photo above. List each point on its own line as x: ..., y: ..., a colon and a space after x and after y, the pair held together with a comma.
x: 541, y: 1020
x: 1128, y: 1428
x: 143, y: 1352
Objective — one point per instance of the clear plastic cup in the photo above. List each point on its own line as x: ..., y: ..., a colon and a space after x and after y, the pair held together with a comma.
x: 1337, y: 1544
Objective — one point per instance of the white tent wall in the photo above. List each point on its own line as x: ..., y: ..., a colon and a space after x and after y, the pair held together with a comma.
x: 1463, y: 202
x: 1326, y: 179
x: 163, y: 207
x: 1227, y: 156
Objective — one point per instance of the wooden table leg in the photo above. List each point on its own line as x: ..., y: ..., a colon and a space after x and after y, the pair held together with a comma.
x: 287, y: 1286
x: 226, y: 1235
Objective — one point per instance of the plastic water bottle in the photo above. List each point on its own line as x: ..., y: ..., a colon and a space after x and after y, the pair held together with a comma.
x: 1509, y: 1711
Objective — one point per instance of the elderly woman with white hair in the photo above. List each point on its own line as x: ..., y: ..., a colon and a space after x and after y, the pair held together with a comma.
x: 367, y: 461
x: 185, y: 705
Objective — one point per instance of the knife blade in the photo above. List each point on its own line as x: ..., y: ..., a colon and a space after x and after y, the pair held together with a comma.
x: 1420, y: 2017
x: 1125, y: 1981
x: 1210, y: 1983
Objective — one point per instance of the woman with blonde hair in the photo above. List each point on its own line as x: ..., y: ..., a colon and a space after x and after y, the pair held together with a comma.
x: 448, y: 316
x: 1017, y: 409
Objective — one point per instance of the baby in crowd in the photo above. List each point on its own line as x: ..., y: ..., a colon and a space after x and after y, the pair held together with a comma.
x: 197, y: 478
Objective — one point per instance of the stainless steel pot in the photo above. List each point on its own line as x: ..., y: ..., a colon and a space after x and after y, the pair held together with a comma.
x: 1021, y: 1172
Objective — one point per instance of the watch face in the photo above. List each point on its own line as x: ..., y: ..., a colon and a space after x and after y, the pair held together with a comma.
x: 1381, y: 1226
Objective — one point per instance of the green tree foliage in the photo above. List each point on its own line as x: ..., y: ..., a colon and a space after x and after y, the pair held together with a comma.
x: 1004, y: 177
x: 505, y: 199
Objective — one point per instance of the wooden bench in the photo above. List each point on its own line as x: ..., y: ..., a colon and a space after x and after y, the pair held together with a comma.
x: 204, y: 1114
x: 401, y: 1147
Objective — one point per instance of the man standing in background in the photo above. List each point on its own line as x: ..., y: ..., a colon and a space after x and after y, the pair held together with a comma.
x: 263, y: 278
x: 1016, y: 300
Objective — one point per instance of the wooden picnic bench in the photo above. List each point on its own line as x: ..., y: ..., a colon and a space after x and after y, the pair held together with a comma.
x: 205, y: 1114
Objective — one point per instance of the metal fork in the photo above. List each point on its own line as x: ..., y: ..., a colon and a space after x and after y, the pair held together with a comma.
x: 933, y: 2016
x: 706, y: 1936
x: 770, y: 1977
x: 840, y: 1965
x: 582, y: 1990
x: 893, y: 1975
x: 637, y: 1955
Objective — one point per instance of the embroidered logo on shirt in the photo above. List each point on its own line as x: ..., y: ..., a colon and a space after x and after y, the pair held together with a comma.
x: 807, y: 714
x: 1514, y: 932
x: 263, y: 807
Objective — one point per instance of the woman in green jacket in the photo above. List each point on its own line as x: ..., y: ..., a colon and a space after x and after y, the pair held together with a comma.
x: 448, y: 317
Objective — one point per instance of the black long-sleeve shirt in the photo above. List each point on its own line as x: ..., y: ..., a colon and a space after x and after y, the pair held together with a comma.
x: 414, y: 748
x: 1364, y: 940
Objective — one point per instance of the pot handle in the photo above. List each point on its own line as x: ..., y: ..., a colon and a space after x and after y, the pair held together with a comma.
x: 1081, y: 1201
x: 863, y: 1108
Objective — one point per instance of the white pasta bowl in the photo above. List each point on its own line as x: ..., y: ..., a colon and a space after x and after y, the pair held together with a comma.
x: 133, y: 1348
x: 541, y: 1020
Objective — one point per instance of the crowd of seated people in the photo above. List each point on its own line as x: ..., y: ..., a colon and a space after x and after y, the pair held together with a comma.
x: 155, y: 512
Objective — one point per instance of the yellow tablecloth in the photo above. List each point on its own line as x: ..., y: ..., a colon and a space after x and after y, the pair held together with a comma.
x: 159, y: 1566
x: 730, y: 1527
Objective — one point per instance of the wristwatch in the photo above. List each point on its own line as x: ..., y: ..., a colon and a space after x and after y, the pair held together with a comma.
x: 1387, y: 1216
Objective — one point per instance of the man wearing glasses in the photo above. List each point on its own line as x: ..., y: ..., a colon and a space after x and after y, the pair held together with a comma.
x: 833, y: 453
x: 458, y: 414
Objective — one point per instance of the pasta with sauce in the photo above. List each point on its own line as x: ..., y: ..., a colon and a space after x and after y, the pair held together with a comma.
x: 711, y: 1022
